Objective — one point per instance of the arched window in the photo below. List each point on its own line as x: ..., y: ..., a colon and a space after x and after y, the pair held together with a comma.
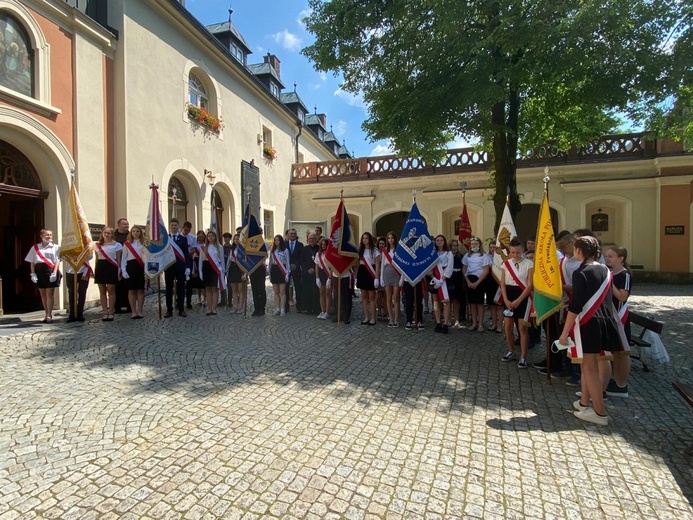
x: 16, y: 56
x: 177, y: 201
x: 197, y: 93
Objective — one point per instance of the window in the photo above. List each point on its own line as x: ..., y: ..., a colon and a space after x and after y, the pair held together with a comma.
x: 321, y: 134
x: 16, y: 56
x: 274, y: 89
x: 267, y: 136
x: 237, y: 53
x: 197, y: 92
x: 301, y: 115
x: 177, y: 201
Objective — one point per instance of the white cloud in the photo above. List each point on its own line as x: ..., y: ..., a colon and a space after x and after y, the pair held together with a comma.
x: 288, y: 40
x: 381, y: 150
x: 314, y: 86
x: 303, y: 14
x: 340, y: 128
x: 323, y: 76
x: 354, y: 100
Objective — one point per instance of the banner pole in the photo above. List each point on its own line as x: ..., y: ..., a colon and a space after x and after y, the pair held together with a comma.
x: 244, y: 300
x: 339, y: 299
x: 158, y: 291
x: 416, y: 307
x: 75, y: 298
x: 547, y: 179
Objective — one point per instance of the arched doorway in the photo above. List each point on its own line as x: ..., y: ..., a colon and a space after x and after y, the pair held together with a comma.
x: 177, y: 200
x: 527, y: 220
x: 391, y: 222
x: 21, y: 220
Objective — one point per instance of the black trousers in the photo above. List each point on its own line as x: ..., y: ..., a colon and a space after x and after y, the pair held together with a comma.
x: 177, y: 274
x: 82, y: 285
x: 310, y: 295
x: 411, y: 295
x: 121, y: 296
x: 257, y: 284
x: 346, y: 297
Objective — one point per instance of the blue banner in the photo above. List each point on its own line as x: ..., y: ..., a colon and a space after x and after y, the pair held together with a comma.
x: 252, y: 250
x: 416, y: 253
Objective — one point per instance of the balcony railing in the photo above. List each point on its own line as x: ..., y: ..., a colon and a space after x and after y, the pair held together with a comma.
x: 607, y: 148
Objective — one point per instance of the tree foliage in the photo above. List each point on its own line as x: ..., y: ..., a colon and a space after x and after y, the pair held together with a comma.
x: 511, y: 73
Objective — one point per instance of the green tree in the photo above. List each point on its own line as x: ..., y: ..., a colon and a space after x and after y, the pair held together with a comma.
x: 511, y: 73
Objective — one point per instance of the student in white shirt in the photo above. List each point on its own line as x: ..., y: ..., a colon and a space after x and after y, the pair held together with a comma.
x: 44, y: 260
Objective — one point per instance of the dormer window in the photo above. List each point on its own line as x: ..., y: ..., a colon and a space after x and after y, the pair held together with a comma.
x: 197, y: 92
x: 321, y: 134
x: 237, y: 53
x: 301, y: 115
x: 274, y: 89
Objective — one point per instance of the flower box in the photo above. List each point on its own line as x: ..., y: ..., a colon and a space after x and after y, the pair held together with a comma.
x: 269, y: 152
x: 204, y: 118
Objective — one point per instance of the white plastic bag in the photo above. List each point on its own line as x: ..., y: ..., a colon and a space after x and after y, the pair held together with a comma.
x: 656, y: 354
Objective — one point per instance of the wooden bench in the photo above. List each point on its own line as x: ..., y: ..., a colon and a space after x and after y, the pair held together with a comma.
x: 686, y: 391
x: 638, y: 341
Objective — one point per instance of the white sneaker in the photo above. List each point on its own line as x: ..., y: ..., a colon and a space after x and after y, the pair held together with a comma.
x: 276, y: 312
x: 319, y: 316
x: 578, y: 406
x: 471, y: 327
x: 282, y: 312
x: 589, y: 415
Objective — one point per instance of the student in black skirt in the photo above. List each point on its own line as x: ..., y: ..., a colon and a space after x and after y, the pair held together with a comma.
x: 597, y: 331
x: 477, y: 267
x: 516, y: 288
x: 368, y: 277
x: 456, y: 288
x: 212, y: 270
x: 107, y: 272
x: 491, y: 289
x: 280, y: 271
x: 323, y: 279
x: 195, y: 282
x: 132, y: 268
x: 44, y: 260
x: 237, y: 280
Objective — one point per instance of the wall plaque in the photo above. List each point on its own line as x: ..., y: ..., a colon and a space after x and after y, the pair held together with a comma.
x: 674, y: 230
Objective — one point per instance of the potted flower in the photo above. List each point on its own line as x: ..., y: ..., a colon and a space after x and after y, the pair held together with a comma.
x: 269, y: 152
x: 204, y: 118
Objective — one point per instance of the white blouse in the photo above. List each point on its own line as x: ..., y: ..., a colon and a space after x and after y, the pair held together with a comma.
x: 475, y: 263
x: 371, y: 256
x: 446, y: 263
x: 216, y: 253
x: 50, y: 251
x: 127, y: 254
x: 523, y: 268
x: 111, y: 250
x: 282, y: 256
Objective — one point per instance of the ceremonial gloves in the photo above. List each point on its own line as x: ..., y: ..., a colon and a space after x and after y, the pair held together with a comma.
x: 34, y: 278
x: 187, y: 273
x: 317, y: 282
x: 376, y: 283
x: 125, y: 274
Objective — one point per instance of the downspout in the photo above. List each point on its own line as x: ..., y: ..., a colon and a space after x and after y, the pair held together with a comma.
x: 300, y: 131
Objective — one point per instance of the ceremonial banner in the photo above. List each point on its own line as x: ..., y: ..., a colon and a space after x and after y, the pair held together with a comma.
x: 341, y: 251
x: 416, y: 254
x: 213, y: 224
x: 252, y: 250
x: 465, y: 228
x: 506, y: 232
x: 76, y: 243
x: 157, y: 252
x: 548, y: 290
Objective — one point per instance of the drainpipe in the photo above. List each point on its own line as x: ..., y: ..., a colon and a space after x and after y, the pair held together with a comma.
x: 300, y: 131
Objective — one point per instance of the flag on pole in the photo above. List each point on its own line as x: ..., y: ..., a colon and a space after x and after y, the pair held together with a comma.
x: 415, y: 255
x: 506, y: 232
x: 465, y: 227
x: 252, y: 250
x: 157, y: 252
x: 341, y: 251
x: 76, y: 243
x: 214, y: 225
x: 548, y: 291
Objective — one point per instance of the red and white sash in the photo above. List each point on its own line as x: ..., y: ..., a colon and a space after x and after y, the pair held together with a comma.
x: 278, y: 263
x: 388, y: 256
x: 623, y: 313
x: 221, y: 279
x: 569, y: 294
x: 367, y: 265
x: 135, y: 254
x: 108, y: 257
x: 323, y: 266
x: 443, y: 293
x: 177, y: 250
x: 515, y: 273
x: 43, y: 258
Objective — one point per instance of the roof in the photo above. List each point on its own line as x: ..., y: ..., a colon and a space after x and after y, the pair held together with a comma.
x: 313, y: 119
x: 329, y: 136
x: 263, y: 69
x: 220, y: 28
x: 291, y: 98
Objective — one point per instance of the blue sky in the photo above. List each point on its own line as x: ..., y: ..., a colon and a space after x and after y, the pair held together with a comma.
x: 274, y: 26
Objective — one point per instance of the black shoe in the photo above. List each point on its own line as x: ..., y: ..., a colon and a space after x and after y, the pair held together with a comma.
x: 541, y: 364
x: 189, y: 306
x: 71, y: 319
x: 168, y: 314
x: 438, y: 327
x: 261, y: 313
x: 183, y: 314
x: 445, y: 329
x: 347, y: 322
x: 81, y: 318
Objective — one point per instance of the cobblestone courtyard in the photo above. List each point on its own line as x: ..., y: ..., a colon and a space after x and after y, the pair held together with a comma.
x: 293, y: 417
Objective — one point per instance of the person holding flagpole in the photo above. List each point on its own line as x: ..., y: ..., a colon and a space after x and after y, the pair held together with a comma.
x: 44, y: 260
x: 107, y: 272
x: 132, y: 268
x: 178, y: 272
x: 212, y: 270
x: 368, y: 277
x: 516, y: 287
x: 280, y: 271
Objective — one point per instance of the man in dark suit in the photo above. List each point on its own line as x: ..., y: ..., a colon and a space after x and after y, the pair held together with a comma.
x: 177, y: 271
x: 257, y: 285
x: 310, y: 296
x: 120, y: 235
x: 295, y: 249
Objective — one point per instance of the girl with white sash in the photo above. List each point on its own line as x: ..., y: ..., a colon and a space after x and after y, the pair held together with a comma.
x: 616, y: 259
x: 391, y: 279
x: 195, y: 246
x: 132, y: 268
x: 44, y: 260
x: 593, y: 323
x: 476, y: 267
x: 236, y: 279
x: 107, y: 272
x: 368, y: 277
x: 280, y: 270
x: 439, y: 286
x: 323, y: 279
x: 212, y: 270
x: 516, y: 288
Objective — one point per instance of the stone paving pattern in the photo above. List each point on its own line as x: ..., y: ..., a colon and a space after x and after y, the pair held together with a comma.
x: 294, y: 417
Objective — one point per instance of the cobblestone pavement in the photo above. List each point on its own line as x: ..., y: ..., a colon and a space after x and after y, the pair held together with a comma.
x: 293, y: 417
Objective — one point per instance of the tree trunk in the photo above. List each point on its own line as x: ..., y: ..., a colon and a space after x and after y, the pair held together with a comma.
x: 505, y: 120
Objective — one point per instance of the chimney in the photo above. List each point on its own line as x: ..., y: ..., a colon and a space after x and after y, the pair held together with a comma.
x: 323, y: 119
x: 274, y: 63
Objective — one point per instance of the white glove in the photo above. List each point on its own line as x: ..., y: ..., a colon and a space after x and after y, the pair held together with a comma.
x: 401, y: 281
x: 187, y: 274
x: 34, y: 278
x: 287, y: 277
x: 126, y: 276
x: 317, y: 282
x: 244, y: 277
x: 329, y: 283
x: 53, y: 277
x: 376, y: 283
